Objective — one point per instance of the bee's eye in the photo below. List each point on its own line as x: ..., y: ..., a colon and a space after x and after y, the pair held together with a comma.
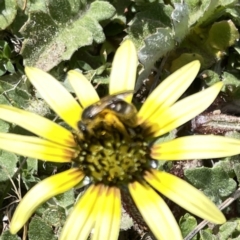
x: 87, y: 114
x: 82, y: 126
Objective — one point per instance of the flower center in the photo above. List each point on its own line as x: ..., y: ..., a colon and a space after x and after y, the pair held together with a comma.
x: 112, y: 150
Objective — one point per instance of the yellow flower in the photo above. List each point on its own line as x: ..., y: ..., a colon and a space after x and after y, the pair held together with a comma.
x: 113, y: 144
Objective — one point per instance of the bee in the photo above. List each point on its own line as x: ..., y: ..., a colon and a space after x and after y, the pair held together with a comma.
x: 115, y: 105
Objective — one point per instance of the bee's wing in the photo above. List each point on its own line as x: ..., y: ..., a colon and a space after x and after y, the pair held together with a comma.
x: 92, y: 110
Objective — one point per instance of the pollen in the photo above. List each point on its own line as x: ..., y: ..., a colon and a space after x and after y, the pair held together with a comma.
x: 112, y: 152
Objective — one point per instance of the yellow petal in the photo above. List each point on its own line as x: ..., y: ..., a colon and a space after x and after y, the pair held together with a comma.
x: 202, y: 147
x: 109, y: 215
x: 116, y: 215
x: 102, y: 202
x: 83, y: 216
x: 123, y: 74
x: 58, y: 98
x: 83, y: 88
x: 38, y: 125
x: 36, y: 148
x: 185, y: 195
x: 169, y: 91
x: 155, y: 212
x: 41, y: 192
x: 182, y: 111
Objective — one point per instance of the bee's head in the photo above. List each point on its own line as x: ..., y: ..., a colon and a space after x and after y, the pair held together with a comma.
x: 114, y: 104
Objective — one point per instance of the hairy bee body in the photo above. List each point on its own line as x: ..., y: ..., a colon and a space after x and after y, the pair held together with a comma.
x: 114, y: 105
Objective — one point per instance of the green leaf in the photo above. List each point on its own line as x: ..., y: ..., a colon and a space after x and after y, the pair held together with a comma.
x: 156, y: 46
x: 199, y: 13
x: 42, y: 208
x: 8, y: 166
x: 10, y: 67
x: 152, y: 33
x: 210, y: 77
x: 146, y: 22
x: 228, y: 164
x: 37, y: 5
x: 187, y: 224
x: 208, y: 7
x: 2, y: 44
x: 160, y: 31
x: 206, y: 235
x: 98, y: 79
x: 39, y: 107
x: 180, y: 18
x: 166, y: 137
x: 29, y: 169
x: 234, y: 13
x: 2, y: 68
x: 237, y: 170
x: 6, y: 51
x: 230, y: 79
x: 67, y: 8
x: 229, y: 229
x: 3, y: 99
x: 55, y: 216
x: 18, y: 96
x: 66, y: 200
x: 4, y: 126
x: 8, y: 11
x: 214, y: 182
x: 227, y: 2
x: 223, y: 35
x: 6, y: 235
x: 53, y: 37
x: 40, y: 230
